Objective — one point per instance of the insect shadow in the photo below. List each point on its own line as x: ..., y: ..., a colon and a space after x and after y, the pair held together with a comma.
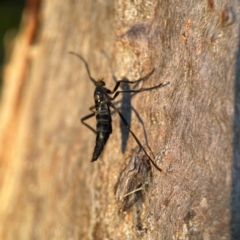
x: 101, y: 110
x: 126, y: 108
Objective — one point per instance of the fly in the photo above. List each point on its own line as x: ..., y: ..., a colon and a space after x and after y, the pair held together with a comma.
x: 101, y: 109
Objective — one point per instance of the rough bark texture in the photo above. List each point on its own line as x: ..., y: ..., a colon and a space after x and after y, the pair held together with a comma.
x: 49, y: 188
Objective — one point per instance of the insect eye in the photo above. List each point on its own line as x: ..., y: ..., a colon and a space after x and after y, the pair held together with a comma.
x: 103, y: 83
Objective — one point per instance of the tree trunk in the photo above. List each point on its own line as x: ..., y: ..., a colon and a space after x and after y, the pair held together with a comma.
x: 49, y: 187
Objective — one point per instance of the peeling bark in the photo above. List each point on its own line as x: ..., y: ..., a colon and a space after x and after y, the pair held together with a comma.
x: 49, y: 188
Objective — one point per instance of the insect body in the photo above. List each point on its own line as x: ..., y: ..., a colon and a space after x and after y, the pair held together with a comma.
x: 104, y: 120
x: 101, y: 109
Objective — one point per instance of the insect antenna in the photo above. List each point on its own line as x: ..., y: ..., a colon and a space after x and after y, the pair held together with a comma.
x: 86, y: 65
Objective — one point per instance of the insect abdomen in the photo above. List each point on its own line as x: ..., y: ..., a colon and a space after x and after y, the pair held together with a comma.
x: 104, y: 129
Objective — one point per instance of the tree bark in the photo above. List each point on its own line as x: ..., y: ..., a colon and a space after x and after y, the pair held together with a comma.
x: 49, y: 187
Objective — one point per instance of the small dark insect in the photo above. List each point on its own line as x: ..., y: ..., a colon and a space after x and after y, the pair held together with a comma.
x: 101, y: 109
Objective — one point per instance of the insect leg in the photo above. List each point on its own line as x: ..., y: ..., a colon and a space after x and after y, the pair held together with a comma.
x: 127, y: 81
x: 140, y: 90
x: 86, y: 65
x: 114, y: 77
x: 88, y: 126
x: 144, y: 131
x: 135, y: 137
x: 89, y: 116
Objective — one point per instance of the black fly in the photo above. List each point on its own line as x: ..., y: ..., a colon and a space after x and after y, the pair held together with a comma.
x: 101, y: 109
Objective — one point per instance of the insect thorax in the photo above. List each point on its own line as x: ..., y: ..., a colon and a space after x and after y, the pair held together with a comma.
x: 99, y: 95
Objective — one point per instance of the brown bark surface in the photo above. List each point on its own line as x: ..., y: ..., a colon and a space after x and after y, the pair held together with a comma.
x: 49, y: 189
